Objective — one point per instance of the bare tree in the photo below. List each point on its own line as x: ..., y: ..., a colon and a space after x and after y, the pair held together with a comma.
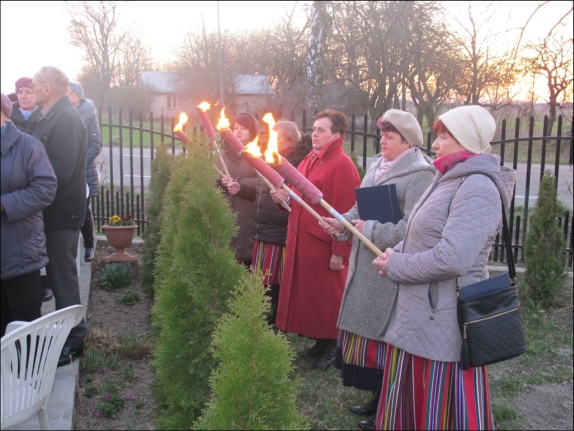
x: 95, y: 28
x: 319, y: 24
x: 134, y: 57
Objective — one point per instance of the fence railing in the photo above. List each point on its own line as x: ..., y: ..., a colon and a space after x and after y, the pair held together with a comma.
x: 129, y: 146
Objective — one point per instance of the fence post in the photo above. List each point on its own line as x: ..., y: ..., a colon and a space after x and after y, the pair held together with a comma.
x: 557, y: 156
x: 121, y: 162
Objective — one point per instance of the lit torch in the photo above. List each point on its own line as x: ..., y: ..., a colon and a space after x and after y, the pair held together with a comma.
x: 178, y: 129
x: 201, y: 110
x: 312, y: 193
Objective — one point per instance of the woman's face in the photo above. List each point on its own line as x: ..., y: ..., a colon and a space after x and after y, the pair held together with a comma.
x: 241, y: 132
x: 26, y: 98
x: 446, y: 144
x: 283, y: 143
x: 393, y: 145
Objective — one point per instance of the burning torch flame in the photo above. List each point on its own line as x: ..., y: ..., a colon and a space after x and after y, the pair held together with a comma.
x: 182, y: 120
x: 272, y: 152
x: 253, y: 148
x: 223, y: 122
x: 204, y: 106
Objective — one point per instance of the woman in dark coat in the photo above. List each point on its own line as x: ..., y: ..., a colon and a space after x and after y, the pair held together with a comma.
x: 270, y: 228
x: 28, y: 185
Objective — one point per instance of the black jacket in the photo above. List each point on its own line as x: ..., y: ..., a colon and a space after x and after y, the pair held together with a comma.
x: 270, y: 224
x: 25, y: 126
x: 65, y: 138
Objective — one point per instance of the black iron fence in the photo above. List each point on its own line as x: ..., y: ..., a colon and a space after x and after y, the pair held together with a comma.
x: 129, y: 146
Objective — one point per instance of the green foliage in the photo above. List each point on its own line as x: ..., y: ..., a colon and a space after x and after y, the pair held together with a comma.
x: 95, y: 359
x: 115, y: 275
x: 129, y: 297
x: 252, y: 388
x: 544, y: 246
x: 108, y: 387
x: 195, y: 273
x: 359, y: 167
x: 128, y: 373
x: 160, y: 175
x: 111, y: 406
x: 91, y: 391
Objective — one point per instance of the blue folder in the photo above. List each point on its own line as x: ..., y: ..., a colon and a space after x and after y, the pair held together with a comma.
x: 379, y: 203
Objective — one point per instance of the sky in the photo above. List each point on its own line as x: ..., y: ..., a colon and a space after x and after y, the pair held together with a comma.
x: 34, y: 33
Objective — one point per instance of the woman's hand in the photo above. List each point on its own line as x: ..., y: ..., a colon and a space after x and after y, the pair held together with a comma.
x: 278, y: 195
x: 336, y: 263
x: 359, y: 224
x: 332, y: 226
x: 232, y: 186
x: 381, y: 263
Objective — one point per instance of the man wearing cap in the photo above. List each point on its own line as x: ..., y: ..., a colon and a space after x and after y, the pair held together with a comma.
x: 27, y: 185
x: 87, y: 111
x: 65, y: 138
x: 25, y: 114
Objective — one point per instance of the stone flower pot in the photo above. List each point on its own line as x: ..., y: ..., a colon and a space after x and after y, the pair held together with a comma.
x: 119, y: 237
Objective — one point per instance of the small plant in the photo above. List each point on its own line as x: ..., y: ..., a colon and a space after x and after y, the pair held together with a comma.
x: 115, y: 276
x: 110, y: 407
x: 140, y: 405
x: 128, y: 373
x: 109, y: 387
x: 91, y: 391
x: 116, y: 220
x: 129, y: 297
x: 95, y: 359
x: 135, y: 346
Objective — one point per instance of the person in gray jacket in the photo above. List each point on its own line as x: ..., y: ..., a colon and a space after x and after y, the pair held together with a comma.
x: 27, y: 186
x: 87, y: 111
x: 368, y: 299
x: 449, y: 236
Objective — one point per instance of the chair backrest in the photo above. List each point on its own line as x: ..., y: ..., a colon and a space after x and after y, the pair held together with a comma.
x: 29, y: 359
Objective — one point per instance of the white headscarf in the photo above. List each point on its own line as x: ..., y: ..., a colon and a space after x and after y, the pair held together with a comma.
x: 472, y: 126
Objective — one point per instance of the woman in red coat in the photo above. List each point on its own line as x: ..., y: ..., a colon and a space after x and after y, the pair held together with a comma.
x: 316, y: 265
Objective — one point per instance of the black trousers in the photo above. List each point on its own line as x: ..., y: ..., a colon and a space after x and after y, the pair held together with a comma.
x: 21, y: 298
x: 88, y: 227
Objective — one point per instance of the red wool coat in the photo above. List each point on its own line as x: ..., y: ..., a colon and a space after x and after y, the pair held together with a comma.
x: 310, y: 294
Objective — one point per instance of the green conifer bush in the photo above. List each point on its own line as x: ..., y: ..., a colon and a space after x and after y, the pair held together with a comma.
x: 160, y: 175
x: 544, y: 246
x: 195, y: 273
x: 254, y: 386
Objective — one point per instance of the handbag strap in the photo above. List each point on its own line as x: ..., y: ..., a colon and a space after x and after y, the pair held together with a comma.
x: 505, y: 234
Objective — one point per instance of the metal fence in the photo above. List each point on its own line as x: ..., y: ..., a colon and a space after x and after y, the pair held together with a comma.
x: 129, y: 146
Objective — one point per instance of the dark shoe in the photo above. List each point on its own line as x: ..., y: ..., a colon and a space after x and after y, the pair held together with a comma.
x: 68, y: 354
x: 327, y: 356
x: 89, y: 255
x: 46, y: 294
x: 314, y: 351
x: 369, y: 423
x: 367, y: 409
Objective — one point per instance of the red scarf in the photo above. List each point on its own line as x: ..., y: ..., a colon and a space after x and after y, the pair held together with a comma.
x: 449, y: 161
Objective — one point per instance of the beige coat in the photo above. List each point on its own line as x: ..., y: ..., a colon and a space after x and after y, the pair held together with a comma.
x: 368, y: 297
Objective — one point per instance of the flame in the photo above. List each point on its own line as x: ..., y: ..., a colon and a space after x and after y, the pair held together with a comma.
x: 253, y: 148
x: 223, y: 122
x: 182, y: 120
x: 204, y: 106
x: 272, y: 152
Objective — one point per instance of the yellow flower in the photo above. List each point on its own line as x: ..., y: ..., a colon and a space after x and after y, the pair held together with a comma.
x: 115, y: 220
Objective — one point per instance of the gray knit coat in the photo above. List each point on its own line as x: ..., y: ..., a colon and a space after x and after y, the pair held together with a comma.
x: 368, y: 298
x: 449, y: 235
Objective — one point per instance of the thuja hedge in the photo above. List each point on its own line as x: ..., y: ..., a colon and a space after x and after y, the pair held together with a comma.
x: 160, y: 175
x: 253, y: 387
x: 544, y: 246
x: 195, y: 274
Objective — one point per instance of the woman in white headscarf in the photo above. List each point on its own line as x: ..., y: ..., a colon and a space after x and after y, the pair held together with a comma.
x: 449, y: 236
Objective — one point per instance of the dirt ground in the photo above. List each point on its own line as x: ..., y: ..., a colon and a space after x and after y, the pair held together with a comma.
x: 545, y: 406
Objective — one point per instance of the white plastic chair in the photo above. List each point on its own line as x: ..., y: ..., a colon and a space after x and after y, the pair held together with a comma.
x: 30, y: 353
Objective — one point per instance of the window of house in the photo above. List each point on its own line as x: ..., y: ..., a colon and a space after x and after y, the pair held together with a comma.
x: 171, y: 102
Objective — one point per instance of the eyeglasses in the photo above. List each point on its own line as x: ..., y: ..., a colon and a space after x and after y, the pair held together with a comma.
x: 33, y: 84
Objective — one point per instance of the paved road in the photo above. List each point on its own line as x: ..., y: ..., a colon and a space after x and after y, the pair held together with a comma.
x: 565, y: 182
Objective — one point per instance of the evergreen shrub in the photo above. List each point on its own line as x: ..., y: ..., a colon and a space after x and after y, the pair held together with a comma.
x: 195, y: 273
x: 254, y: 386
x: 160, y: 175
x: 544, y: 246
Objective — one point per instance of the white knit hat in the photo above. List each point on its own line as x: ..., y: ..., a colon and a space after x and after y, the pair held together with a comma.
x: 472, y: 126
x: 406, y: 124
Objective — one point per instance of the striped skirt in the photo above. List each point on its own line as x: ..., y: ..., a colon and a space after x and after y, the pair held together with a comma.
x: 419, y: 393
x: 269, y: 259
x: 361, y: 361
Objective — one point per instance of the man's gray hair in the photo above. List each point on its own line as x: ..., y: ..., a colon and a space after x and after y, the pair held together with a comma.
x: 57, y: 79
x: 289, y: 130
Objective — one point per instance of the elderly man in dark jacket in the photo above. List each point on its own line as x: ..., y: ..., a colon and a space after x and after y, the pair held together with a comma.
x: 65, y: 138
x: 26, y: 114
x: 87, y: 111
x: 27, y: 186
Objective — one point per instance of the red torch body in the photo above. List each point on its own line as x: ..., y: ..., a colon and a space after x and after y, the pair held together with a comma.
x: 208, y: 127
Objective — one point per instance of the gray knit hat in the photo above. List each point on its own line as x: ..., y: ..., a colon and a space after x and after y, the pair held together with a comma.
x: 406, y: 124
x: 76, y: 88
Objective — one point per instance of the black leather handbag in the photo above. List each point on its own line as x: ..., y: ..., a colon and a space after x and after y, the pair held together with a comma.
x: 489, y: 316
